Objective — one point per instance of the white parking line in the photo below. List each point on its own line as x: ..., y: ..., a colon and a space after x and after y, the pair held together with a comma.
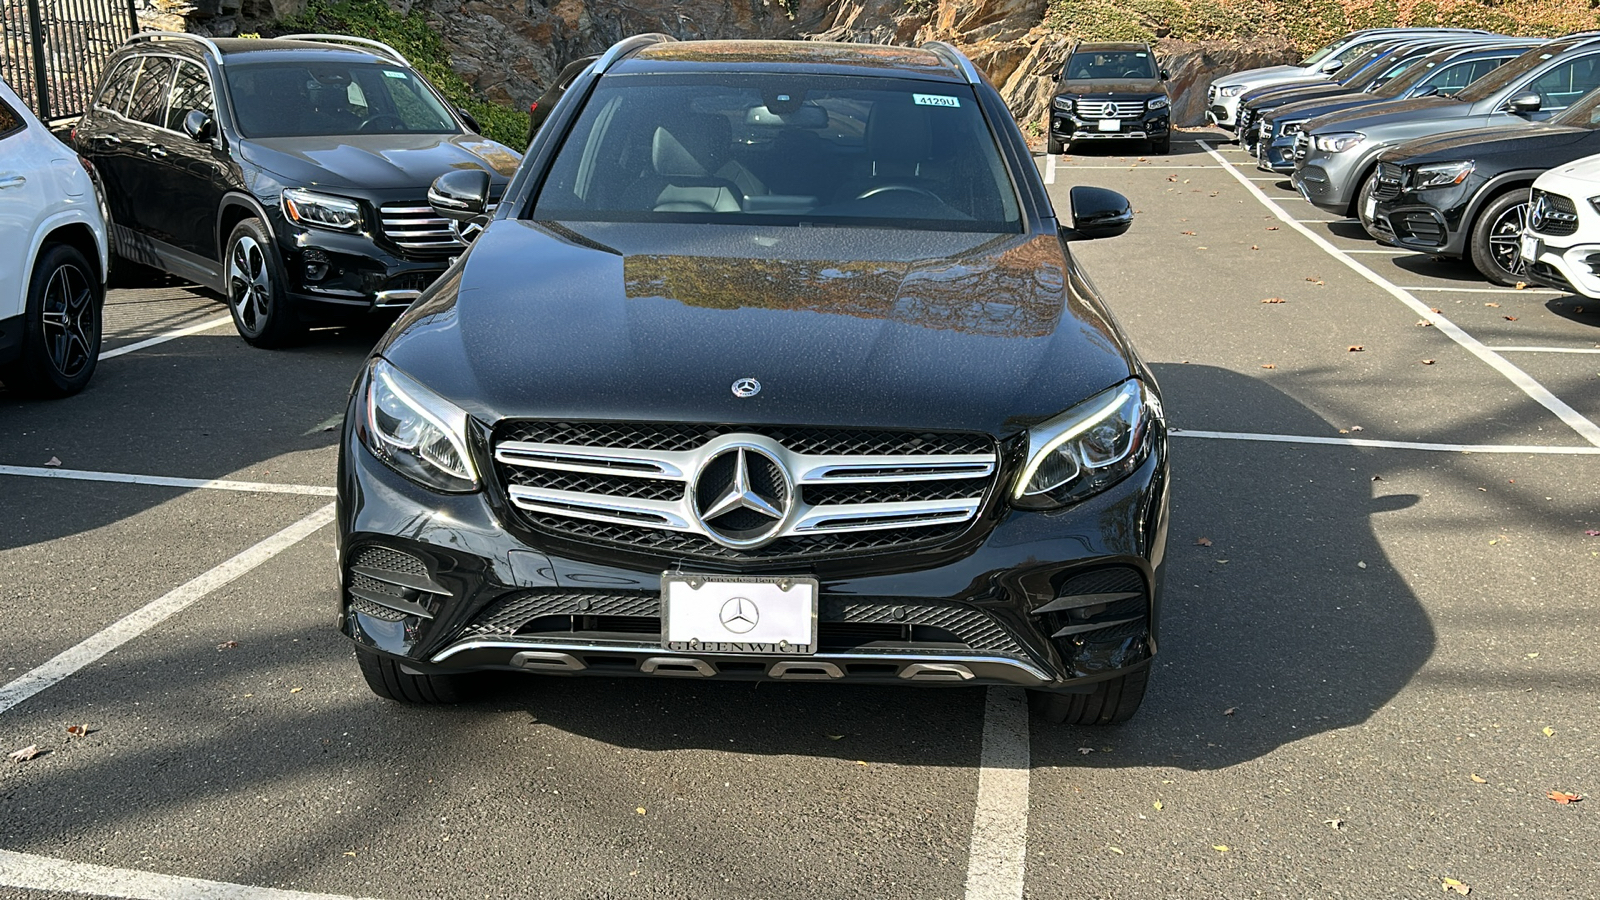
x: 997, y: 856
x: 158, y: 610
x: 1483, y: 290
x: 41, y: 873
x: 213, y: 484
x: 1388, y: 250
x: 1050, y: 169
x: 1538, y: 392
x: 1536, y: 449
x: 196, y: 328
x: 1545, y: 349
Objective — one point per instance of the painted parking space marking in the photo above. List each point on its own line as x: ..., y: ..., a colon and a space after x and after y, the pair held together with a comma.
x: 1546, y: 349
x: 1538, y: 392
x: 173, y: 335
x: 1484, y: 290
x: 158, y: 610
x: 209, y: 484
x: 42, y: 873
x: 1050, y: 169
x: 1534, y: 449
x: 997, y: 854
x: 1386, y: 250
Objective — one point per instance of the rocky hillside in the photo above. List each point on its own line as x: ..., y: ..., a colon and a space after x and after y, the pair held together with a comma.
x: 507, y: 50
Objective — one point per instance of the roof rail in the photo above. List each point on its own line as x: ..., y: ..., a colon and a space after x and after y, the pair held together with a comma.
x: 955, y: 58
x: 387, y: 50
x: 628, y: 46
x: 175, y: 35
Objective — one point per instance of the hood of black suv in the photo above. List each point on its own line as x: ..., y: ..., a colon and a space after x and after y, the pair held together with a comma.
x: 841, y: 326
x: 1522, y: 146
x: 377, y: 162
x: 1122, y: 88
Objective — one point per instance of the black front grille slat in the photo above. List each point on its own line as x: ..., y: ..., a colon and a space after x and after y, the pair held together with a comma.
x: 676, y: 437
x: 590, y: 483
x: 389, y: 560
x: 892, y: 492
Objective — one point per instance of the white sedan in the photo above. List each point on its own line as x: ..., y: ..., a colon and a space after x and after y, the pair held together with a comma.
x: 1561, y: 235
x: 53, y: 258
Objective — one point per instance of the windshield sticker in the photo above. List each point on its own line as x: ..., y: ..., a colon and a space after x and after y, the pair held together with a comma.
x: 394, y: 73
x: 936, y: 100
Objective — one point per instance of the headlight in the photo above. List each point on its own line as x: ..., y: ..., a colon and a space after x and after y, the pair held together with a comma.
x: 1158, y: 103
x: 1595, y: 202
x: 1088, y: 448
x: 1062, y: 103
x: 1441, y: 174
x: 1232, y: 90
x: 321, y: 210
x: 415, y: 431
x: 1292, y: 127
x: 1339, y: 142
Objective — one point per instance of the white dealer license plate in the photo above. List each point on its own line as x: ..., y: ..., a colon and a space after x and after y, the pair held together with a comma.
x: 1531, y: 247
x: 1369, y: 211
x: 1110, y: 125
x: 738, y: 614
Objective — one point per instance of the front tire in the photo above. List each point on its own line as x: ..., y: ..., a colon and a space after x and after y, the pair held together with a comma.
x: 1162, y: 146
x: 257, y: 299
x: 61, y: 325
x: 1056, y: 147
x: 1369, y: 185
x: 1495, y: 236
x: 1112, y: 702
x: 386, y: 679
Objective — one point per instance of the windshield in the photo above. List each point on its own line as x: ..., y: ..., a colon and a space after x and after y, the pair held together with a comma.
x: 1110, y: 64
x: 781, y: 149
x: 1585, y: 113
x: 1490, y: 84
x: 1320, y: 55
x: 284, y: 99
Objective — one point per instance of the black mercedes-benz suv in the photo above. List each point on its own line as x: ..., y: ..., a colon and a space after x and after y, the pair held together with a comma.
x: 773, y: 363
x: 290, y: 175
x: 1112, y: 91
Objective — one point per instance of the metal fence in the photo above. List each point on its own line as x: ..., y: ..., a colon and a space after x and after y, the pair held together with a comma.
x: 53, y: 51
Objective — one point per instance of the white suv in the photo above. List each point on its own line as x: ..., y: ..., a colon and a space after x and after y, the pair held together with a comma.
x: 53, y: 258
x: 1561, y: 235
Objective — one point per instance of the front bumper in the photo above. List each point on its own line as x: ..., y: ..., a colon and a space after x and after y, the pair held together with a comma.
x: 1432, y: 227
x: 1325, y: 183
x: 1567, y: 264
x: 449, y: 583
x: 335, y: 272
x: 1068, y: 127
x: 1277, y: 155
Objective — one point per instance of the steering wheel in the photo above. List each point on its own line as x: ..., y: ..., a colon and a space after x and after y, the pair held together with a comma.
x: 886, y: 188
x: 1133, y: 73
x: 380, y: 117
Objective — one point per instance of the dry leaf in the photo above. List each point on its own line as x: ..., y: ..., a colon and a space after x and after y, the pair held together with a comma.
x: 350, y: 853
x: 1086, y: 750
x: 54, y: 463
x: 25, y: 754
x: 1479, y: 779
x: 1220, y: 848
x: 1158, y: 805
x: 1117, y: 850
x: 1356, y: 428
x: 228, y: 645
x: 1549, y: 732
x: 1230, y: 710
x: 639, y: 810
x: 1361, y: 565
x: 1450, y: 884
x: 1356, y: 348
x: 1427, y: 362
x: 1186, y: 232
x: 1272, y: 228
x: 295, y: 690
x: 77, y: 731
x: 835, y: 737
x: 1274, y: 300
x: 1522, y: 285
x: 1268, y: 366
x: 1563, y: 798
x: 1254, y: 247
x: 1314, y: 280
x: 1436, y: 310
x: 1333, y: 823
x: 1204, y: 541
x: 1510, y: 318
x: 1592, y: 533
x: 1493, y: 304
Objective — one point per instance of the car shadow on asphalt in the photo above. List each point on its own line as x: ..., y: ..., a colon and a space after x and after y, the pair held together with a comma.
x: 1577, y: 309
x: 1441, y: 268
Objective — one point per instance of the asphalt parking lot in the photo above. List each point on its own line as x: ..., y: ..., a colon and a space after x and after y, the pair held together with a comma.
x: 1378, y: 652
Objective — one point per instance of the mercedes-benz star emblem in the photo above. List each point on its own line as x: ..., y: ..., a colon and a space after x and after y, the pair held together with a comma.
x: 739, y: 615
x: 742, y: 496
x: 746, y: 387
x: 1536, y: 216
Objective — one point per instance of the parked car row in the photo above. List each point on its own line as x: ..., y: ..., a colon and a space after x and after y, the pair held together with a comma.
x: 1449, y: 157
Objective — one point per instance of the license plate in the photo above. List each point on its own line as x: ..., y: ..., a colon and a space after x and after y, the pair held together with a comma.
x: 738, y: 614
x: 1531, y: 247
x: 1369, y: 210
x: 1110, y: 125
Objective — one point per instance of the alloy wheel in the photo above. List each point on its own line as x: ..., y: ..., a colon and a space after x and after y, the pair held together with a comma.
x: 1503, y: 237
x: 68, y: 322
x: 249, y: 284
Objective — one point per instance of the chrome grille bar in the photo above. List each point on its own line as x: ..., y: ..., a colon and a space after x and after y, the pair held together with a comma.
x: 1110, y: 109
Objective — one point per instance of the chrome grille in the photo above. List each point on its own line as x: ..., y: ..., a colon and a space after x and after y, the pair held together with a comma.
x: 1302, y: 145
x: 847, y: 490
x: 417, y: 228
x: 1552, y: 214
x: 1110, y: 109
x: 1390, y: 178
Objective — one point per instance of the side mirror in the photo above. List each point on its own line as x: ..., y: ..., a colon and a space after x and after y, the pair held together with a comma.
x: 1524, y: 103
x: 470, y: 119
x: 1431, y: 90
x: 1330, y: 67
x: 1097, y: 213
x: 460, y: 196
x: 1165, y: 75
x: 198, y: 125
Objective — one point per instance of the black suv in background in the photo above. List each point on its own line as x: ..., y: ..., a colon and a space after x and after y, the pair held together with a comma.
x: 291, y: 175
x: 1465, y: 194
x: 773, y: 364
x: 1111, y: 91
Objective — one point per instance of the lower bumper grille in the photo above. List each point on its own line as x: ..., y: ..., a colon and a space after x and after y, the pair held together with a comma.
x: 1389, y: 181
x: 1418, y: 228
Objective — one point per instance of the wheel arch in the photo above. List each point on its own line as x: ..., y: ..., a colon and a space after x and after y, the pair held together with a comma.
x: 1491, y: 191
x: 235, y: 209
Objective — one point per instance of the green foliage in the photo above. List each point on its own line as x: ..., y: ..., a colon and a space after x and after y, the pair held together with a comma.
x: 410, y: 35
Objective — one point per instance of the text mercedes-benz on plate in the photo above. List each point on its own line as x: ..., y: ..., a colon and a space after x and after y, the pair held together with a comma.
x: 773, y: 364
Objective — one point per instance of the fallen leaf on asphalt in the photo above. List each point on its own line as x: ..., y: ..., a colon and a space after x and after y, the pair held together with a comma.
x: 1220, y: 848
x: 1493, y: 304
x: 1427, y: 362
x: 1356, y: 428
x: 1172, y: 178
x: 1274, y: 300
x: 1344, y: 431
x: 1510, y: 318
x: 1533, y: 656
x: 1436, y: 310
x: 1230, y: 710
x: 1356, y: 348
x: 77, y: 731
x: 1158, y: 805
x: 1316, y: 280
x: 1361, y: 565
x: 1479, y: 779
x: 1254, y: 247
x: 1377, y: 478
x: 1450, y: 884
x: 54, y: 463
x: 1549, y: 732
x: 861, y: 762
x: 1522, y: 285
x: 1204, y: 542
x: 25, y: 754
x: 295, y: 690
x: 1268, y: 366
x: 639, y: 810
x: 1563, y: 798
x: 1592, y: 533
x: 1424, y: 323
x: 835, y: 737
x: 1333, y: 823
x: 1272, y: 228
x: 228, y: 645
x: 1186, y: 232
x: 1202, y: 248
x: 1117, y: 851
x: 349, y: 853
x: 1086, y: 750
